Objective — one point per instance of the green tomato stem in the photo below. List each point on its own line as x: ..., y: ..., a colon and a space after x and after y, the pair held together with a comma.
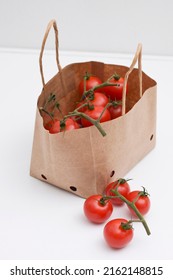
x: 105, y: 108
x: 41, y: 109
x: 91, y: 120
x: 105, y: 84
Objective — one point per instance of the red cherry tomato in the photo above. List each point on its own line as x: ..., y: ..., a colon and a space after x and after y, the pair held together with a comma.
x: 91, y: 81
x: 56, y: 126
x: 96, y: 99
x: 53, y: 126
x: 115, y: 92
x: 99, y: 99
x: 116, y: 234
x: 115, y: 111
x: 48, y: 124
x: 70, y: 124
x: 95, y: 211
x: 95, y: 114
x: 123, y: 189
x: 142, y: 202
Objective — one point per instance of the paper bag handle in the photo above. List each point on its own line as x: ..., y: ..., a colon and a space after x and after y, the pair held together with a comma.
x: 51, y: 24
x: 137, y: 57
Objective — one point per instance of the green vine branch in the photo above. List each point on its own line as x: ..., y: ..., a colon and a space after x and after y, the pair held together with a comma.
x: 131, y: 205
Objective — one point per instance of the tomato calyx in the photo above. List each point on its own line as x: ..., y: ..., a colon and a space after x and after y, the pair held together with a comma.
x: 123, y: 181
x: 144, y: 192
x: 62, y: 124
x: 90, y: 106
x: 91, y: 96
x: 87, y: 93
x: 140, y: 193
x: 127, y: 226
x: 87, y: 76
x: 116, y: 76
x: 103, y: 200
x: 115, y: 103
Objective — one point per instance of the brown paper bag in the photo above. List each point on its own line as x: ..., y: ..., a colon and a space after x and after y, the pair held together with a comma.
x: 82, y: 161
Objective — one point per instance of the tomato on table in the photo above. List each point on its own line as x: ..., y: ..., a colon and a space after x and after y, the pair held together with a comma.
x: 96, y: 210
x: 141, y: 201
x: 118, y: 233
x: 122, y: 187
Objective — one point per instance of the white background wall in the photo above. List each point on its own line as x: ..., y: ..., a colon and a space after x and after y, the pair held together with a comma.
x: 90, y: 25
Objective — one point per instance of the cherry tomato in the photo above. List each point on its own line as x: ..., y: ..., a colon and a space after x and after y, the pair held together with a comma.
x: 115, y: 111
x: 95, y: 114
x: 53, y: 126
x: 47, y: 125
x: 123, y: 189
x: 95, y: 211
x: 115, y: 92
x: 91, y: 81
x: 142, y: 202
x: 96, y: 99
x: 69, y: 124
x: 56, y: 126
x: 117, y: 234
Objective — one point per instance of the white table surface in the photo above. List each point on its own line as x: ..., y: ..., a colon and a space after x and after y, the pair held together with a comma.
x: 39, y: 221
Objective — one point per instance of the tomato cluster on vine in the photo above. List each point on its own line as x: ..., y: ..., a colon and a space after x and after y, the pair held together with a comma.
x: 99, y: 208
x: 100, y: 102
